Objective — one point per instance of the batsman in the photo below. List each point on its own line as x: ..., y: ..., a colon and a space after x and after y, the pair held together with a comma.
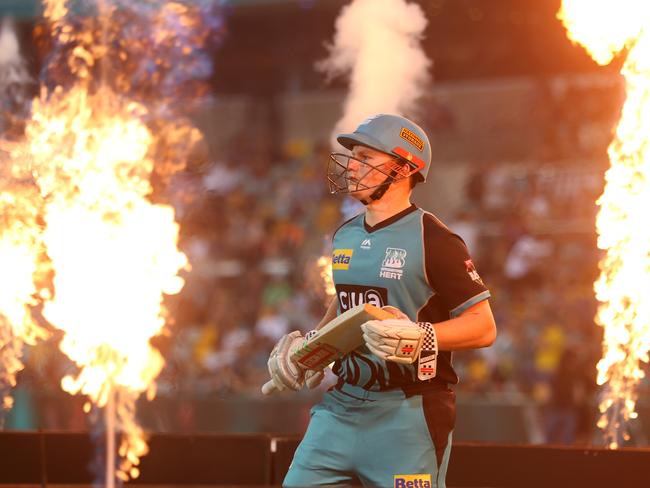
x: 389, y: 419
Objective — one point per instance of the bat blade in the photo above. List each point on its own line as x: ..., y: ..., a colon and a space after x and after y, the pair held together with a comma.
x: 338, y: 337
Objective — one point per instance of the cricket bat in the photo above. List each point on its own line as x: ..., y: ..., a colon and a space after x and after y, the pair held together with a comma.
x: 338, y: 337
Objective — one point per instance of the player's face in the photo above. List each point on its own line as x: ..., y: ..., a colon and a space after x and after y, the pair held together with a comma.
x: 368, y: 168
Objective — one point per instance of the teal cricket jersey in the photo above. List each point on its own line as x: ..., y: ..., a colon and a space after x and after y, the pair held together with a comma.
x: 411, y: 261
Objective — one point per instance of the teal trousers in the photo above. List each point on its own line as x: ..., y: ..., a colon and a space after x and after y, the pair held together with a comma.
x: 379, y: 439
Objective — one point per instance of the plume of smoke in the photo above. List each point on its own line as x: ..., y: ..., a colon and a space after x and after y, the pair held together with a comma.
x: 15, y: 80
x: 9, y: 52
x: 12, y: 66
x: 157, y: 49
x: 154, y: 52
x: 377, y: 43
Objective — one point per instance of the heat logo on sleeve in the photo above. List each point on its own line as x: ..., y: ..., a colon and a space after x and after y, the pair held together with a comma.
x: 412, y: 481
x: 471, y: 271
x: 341, y: 258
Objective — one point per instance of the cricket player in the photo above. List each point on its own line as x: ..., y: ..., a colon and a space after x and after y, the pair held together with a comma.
x: 389, y: 419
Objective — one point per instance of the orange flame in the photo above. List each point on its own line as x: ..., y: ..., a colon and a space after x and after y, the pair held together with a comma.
x: 605, y: 28
x: 111, y: 253
x: 19, y: 256
x: 324, y: 264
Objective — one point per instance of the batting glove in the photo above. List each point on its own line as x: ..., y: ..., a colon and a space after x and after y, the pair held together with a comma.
x: 285, y: 374
x: 396, y: 312
x: 398, y: 340
x: 403, y: 341
x: 314, y: 378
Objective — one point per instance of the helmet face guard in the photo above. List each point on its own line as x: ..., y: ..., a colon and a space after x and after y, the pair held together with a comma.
x: 340, y: 181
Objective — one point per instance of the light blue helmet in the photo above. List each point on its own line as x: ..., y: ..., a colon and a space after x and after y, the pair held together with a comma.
x: 394, y: 135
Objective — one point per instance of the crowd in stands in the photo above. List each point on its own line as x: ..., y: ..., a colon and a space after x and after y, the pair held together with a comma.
x: 254, y: 235
x: 536, y: 250
x: 253, y: 227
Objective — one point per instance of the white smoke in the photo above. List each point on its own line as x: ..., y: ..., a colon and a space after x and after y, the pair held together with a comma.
x: 14, y: 76
x: 8, y: 43
x: 12, y: 66
x: 378, y: 43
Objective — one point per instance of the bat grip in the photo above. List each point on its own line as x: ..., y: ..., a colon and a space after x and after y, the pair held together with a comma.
x: 268, y: 387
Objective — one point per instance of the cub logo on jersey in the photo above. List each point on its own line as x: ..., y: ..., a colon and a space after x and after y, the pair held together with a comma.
x: 341, y: 258
x: 352, y: 295
x: 412, y: 481
x: 471, y: 271
x: 393, y: 264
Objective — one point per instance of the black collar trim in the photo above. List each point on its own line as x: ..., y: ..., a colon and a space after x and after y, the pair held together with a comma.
x: 389, y: 220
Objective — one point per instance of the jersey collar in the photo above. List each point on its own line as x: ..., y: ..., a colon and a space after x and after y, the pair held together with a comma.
x: 389, y: 220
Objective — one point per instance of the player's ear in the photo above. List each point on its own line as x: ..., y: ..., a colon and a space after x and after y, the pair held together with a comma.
x: 404, y: 169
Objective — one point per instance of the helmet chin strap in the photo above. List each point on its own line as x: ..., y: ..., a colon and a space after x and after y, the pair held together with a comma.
x: 381, y: 189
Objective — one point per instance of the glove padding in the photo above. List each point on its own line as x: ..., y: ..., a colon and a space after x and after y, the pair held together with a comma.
x: 285, y: 374
x: 397, y: 340
x: 314, y: 378
x: 396, y: 312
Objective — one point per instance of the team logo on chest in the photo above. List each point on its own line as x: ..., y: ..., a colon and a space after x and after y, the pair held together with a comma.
x: 393, y: 265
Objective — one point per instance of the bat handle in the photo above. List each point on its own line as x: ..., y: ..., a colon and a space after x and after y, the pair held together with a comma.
x: 268, y: 387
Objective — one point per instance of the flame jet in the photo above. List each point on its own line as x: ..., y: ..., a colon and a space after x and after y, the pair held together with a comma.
x: 98, y: 135
x: 607, y: 28
x: 20, y: 244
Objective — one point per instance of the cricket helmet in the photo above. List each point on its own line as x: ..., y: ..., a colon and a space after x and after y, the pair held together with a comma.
x: 394, y: 135
x: 390, y: 134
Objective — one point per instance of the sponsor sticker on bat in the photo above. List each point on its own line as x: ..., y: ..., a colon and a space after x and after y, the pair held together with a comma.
x: 321, y: 354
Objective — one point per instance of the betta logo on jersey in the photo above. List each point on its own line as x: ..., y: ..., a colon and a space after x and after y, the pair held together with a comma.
x: 412, y: 481
x: 471, y: 271
x: 341, y: 258
x: 352, y: 295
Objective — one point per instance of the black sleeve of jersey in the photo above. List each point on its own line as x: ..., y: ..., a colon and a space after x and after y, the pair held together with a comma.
x: 449, y: 268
